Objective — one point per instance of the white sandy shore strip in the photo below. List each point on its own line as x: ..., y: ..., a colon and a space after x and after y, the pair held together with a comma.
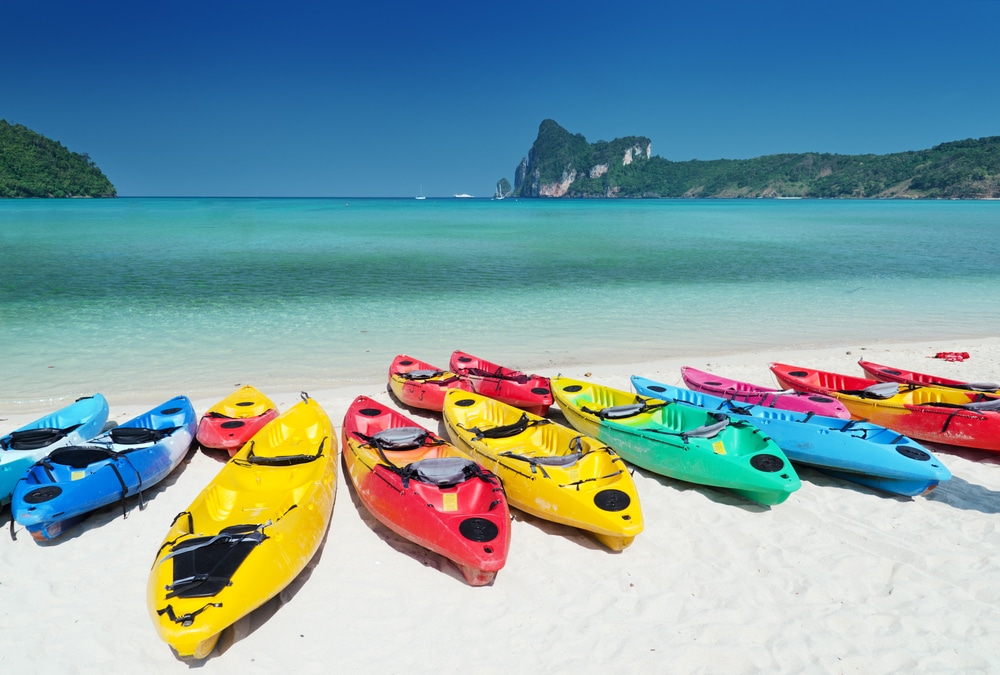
x: 836, y: 579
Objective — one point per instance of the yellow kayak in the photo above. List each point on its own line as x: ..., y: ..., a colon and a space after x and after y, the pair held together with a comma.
x: 548, y: 470
x: 248, y: 534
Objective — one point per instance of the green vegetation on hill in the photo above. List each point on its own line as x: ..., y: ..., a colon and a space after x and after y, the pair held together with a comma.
x: 32, y: 165
x: 968, y: 169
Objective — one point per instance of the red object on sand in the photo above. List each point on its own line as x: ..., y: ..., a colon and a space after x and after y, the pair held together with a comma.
x: 952, y: 356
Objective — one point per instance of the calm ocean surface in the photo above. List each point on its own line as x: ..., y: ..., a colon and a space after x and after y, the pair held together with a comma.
x: 154, y: 297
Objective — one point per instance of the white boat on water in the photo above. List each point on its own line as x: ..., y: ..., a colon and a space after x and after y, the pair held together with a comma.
x: 421, y: 195
x: 462, y: 196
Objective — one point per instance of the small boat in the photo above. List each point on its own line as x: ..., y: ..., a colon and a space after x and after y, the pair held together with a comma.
x: 71, y: 482
x: 854, y: 450
x: 952, y: 416
x: 234, y: 420
x: 420, y: 195
x: 548, y: 470
x: 679, y: 441
x: 74, y: 424
x: 787, y: 399
x: 462, y: 195
x: 425, y: 490
x: 249, y: 533
x: 532, y: 393
x: 418, y: 384
x: 889, y: 374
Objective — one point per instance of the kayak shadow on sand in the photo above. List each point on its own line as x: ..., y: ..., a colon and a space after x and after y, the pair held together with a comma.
x: 961, y: 494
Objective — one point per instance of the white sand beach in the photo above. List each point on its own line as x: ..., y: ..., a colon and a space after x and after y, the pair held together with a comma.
x: 837, y: 579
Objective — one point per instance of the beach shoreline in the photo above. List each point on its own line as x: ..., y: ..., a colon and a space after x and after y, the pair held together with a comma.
x: 839, y: 578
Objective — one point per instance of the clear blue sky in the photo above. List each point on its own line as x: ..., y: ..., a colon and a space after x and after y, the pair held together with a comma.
x: 373, y: 98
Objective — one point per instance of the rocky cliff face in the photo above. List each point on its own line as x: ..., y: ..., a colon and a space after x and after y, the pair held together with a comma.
x: 558, y: 161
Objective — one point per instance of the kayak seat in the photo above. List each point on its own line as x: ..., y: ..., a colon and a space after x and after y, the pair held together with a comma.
x: 400, y: 438
x: 989, y: 405
x: 539, y: 463
x: 420, y: 374
x: 443, y: 472
x: 520, y: 378
x: 507, y: 430
x: 203, y: 566
x: 79, y: 456
x: 33, y: 439
x: 981, y: 386
x: 881, y: 390
x: 137, y: 435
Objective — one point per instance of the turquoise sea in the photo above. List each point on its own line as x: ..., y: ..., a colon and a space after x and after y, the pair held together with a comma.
x: 153, y: 297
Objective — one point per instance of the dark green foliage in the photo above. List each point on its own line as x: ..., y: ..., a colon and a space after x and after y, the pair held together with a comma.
x: 966, y: 169
x: 34, y: 166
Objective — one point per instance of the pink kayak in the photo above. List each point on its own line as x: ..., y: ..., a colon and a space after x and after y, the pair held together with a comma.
x: 708, y: 383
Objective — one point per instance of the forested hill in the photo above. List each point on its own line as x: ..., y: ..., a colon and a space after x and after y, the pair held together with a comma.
x: 32, y: 165
x: 561, y: 164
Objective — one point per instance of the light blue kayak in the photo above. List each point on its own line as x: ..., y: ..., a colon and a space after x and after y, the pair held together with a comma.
x: 61, y: 489
x: 80, y: 420
x: 857, y: 451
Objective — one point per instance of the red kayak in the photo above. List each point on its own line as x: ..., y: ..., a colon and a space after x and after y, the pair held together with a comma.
x: 234, y: 420
x: 418, y: 384
x: 952, y: 416
x: 423, y: 489
x: 513, y: 387
x: 888, y: 374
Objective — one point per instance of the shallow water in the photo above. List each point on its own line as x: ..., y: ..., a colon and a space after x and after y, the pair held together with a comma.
x: 154, y: 297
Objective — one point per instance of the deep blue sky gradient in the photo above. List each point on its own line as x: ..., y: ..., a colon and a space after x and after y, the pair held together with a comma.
x: 304, y: 98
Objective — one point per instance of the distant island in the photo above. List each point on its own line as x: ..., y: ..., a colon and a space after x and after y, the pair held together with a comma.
x: 561, y: 164
x: 32, y: 165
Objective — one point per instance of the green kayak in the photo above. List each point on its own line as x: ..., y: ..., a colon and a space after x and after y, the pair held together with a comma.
x: 679, y: 441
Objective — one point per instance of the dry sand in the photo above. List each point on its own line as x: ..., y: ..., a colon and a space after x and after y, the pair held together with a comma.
x: 837, y: 579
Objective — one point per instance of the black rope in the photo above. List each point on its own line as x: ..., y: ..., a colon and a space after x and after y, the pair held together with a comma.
x: 185, y: 619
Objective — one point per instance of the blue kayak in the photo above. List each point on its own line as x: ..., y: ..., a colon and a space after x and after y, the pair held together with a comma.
x: 857, y: 451
x: 80, y: 420
x: 63, y: 488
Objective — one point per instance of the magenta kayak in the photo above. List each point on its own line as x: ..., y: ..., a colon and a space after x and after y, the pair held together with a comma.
x: 709, y: 383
